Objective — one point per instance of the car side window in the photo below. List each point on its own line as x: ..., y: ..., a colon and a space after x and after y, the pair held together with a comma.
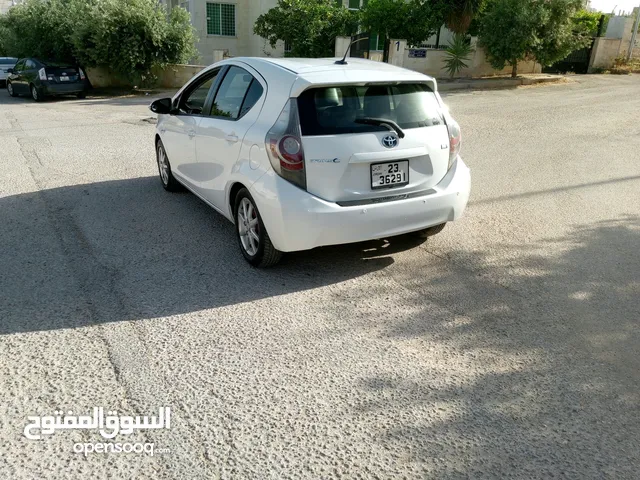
x: 19, y: 66
x: 29, y: 65
x: 192, y: 102
x: 231, y: 95
x: 251, y: 98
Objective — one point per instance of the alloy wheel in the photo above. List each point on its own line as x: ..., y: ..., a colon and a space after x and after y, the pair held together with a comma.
x: 163, y: 165
x: 248, y: 227
x: 10, y: 88
x: 34, y: 92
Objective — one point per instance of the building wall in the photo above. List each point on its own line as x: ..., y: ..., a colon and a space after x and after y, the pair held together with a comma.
x: 244, y: 43
x: 615, y: 44
x: 6, y: 5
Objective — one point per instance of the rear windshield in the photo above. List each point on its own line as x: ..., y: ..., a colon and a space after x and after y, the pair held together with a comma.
x: 8, y: 61
x: 336, y: 110
x: 55, y: 64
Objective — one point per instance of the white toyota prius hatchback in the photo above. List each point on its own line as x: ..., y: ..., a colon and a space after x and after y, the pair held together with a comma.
x: 301, y: 153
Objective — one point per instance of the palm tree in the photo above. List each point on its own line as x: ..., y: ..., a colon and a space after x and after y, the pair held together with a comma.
x: 460, y: 13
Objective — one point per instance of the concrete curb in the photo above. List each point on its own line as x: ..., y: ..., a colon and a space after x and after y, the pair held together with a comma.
x: 492, y: 84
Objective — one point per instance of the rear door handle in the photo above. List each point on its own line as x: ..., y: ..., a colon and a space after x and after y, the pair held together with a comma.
x: 231, y: 137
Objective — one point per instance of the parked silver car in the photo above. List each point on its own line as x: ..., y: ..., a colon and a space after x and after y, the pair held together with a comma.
x: 5, y: 64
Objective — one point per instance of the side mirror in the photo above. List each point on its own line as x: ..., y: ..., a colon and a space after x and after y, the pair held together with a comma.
x: 10, y: 71
x: 161, y: 107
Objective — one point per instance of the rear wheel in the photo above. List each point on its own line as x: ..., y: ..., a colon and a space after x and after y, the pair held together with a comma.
x: 82, y: 95
x: 164, y: 169
x: 10, y: 89
x: 430, y: 232
x: 253, y: 238
x: 35, y: 94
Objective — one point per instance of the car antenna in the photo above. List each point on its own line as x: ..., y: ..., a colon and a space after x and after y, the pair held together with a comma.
x: 344, y: 61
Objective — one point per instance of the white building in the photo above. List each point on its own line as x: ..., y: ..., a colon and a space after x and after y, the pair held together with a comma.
x: 5, y: 5
x: 226, y: 27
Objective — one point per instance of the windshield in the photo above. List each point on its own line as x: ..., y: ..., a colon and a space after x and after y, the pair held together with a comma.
x: 340, y: 110
x: 55, y: 64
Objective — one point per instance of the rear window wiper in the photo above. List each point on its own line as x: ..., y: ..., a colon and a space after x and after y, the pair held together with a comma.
x: 383, y: 122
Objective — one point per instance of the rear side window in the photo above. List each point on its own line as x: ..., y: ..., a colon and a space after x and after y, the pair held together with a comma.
x: 230, y: 99
x: 336, y: 110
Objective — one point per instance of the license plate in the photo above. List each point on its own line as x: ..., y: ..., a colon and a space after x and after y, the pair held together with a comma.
x: 64, y: 78
x: 392, y: 174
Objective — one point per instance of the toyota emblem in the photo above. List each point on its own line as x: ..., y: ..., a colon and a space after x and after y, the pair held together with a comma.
x: 390, y: 141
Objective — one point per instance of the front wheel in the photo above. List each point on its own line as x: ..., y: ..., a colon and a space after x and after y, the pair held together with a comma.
x: 169, y: 182
x: 253, y: 238
x: 10, y: 89
x: 35, y: 94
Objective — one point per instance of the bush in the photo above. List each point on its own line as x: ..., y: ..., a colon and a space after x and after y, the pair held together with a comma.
x: 129, y: 37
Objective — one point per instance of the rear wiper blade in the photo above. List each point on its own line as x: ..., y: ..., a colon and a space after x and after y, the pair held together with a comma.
x: 384, y: 122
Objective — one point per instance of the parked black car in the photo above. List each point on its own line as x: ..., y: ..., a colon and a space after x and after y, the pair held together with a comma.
x: 40, y: 79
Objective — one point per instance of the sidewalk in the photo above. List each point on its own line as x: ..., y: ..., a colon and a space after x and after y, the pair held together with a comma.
x: 486, y: 83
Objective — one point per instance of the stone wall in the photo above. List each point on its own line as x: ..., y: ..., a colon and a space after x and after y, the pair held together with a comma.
x: 170, y: 77
x: 433, y: 65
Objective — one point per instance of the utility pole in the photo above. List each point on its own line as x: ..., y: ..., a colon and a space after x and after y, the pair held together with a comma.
x: 633, y: 37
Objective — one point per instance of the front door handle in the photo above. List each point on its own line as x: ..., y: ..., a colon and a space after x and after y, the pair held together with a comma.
x: 231, y: 137
x: 192, y: 133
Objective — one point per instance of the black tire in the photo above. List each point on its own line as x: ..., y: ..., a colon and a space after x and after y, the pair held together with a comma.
x: 36, y: 94
x: 11, y: 90
x: 430, y: 232
x: 266, y: 255
x: 168, y: 181
x: 82, y: 95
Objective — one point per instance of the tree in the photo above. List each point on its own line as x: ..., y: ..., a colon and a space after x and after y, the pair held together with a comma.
x: 308, y: 26
x: 459, y: 14
x: 129, y: 37
x: 543, y: 30
x: 414, y: 20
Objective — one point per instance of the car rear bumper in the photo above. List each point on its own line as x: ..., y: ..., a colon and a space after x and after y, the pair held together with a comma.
x: 63, y: 88
x: 297, y: 220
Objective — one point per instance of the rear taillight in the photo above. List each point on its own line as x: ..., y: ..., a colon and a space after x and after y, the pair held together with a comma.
x: 455, y: 139
x: 82, y: 77
x: 42, y: 74
x: 284, y: 146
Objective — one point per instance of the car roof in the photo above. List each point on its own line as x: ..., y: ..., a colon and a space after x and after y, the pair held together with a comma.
x: 313, y: 65
x: 303, y: 73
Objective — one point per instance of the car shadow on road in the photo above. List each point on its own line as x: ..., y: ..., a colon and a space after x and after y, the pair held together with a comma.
x: 535, y: 371
x: 125, y: 250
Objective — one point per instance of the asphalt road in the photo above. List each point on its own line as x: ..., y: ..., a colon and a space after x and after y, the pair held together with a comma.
x: 506, y: 347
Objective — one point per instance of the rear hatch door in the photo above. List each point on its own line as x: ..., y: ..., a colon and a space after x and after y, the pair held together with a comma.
x: 62, y: 74
x: 352, y: 155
